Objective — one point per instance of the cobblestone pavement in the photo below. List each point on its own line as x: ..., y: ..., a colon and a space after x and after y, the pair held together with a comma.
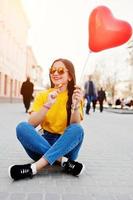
x: 107, y: 153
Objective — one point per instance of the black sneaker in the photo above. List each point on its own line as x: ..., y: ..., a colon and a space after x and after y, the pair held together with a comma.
x: 17, y: 172
x: 73, y: 167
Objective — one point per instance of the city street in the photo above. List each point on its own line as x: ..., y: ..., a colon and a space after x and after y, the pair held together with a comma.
x: 107, y: 154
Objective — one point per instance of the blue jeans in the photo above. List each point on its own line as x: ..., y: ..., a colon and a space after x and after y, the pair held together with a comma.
x: 50, y: 146
x: 90, y: 99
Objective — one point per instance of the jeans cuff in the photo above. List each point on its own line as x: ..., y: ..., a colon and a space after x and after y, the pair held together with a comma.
x: 49, y: 161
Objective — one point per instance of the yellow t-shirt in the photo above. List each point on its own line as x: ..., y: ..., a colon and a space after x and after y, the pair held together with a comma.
x: 55, y: 120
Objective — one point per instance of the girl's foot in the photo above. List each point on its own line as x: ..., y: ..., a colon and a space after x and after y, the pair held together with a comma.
x: 18, y: 172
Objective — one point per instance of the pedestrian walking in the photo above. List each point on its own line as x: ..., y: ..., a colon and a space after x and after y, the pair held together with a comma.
x: 90, y: 94
x: 101, y: 97
x: 59, y: 111
x: 26, y: 91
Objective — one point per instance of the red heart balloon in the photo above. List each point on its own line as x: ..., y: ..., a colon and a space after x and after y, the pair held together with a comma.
x: 105, y: 31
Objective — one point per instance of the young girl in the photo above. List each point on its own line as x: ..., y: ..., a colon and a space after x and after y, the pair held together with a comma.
x: 59, y: 111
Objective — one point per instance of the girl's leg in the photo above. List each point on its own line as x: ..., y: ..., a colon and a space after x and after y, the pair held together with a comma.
x: 69, y: 143
x: 34, y: 144
x: 88, y: 105
x: 72, y: 155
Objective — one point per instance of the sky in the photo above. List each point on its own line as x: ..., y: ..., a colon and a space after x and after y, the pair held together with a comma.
x: 59, y: 29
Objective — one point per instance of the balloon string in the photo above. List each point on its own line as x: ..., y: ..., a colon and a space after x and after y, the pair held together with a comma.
x: 84, y: 68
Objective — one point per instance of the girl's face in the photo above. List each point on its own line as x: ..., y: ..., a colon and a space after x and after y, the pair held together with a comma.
x: 59, y: 74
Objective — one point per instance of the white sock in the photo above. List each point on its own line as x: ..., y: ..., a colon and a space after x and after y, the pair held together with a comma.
x: 33, y: 167
x: 64, y: 159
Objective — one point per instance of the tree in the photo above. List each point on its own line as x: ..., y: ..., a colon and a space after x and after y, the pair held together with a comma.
x: 130, y: 51
x: 97, y: 77
x: 130, y: 61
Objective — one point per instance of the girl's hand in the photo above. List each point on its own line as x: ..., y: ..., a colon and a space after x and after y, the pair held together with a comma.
x: 52, y: 97
x: 77, y: 96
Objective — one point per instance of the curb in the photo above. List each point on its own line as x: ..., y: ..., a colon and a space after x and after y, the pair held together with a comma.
x: 119, y: 111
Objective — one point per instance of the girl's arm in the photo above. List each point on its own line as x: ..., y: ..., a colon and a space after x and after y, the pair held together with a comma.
x: 76, y: 101
x: 36, y: 118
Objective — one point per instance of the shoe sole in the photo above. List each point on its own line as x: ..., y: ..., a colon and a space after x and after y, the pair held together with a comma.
x: 81, y: 172
x: 9, y: 170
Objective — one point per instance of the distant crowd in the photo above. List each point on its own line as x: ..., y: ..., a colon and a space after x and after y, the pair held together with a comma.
x: 94, y: 97
x: 123, y: 103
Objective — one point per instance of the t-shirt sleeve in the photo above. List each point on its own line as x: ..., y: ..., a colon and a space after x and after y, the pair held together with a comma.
x: 39, y: 101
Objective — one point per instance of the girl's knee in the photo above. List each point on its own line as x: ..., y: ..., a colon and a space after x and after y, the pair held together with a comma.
x: 77, y: 129
x: 20, y: 129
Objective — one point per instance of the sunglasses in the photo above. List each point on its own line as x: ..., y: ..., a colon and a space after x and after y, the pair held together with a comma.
x: 60, y: 70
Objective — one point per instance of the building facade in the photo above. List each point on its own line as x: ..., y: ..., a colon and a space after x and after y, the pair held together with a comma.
x: 13, y: 44
x: 16, y: 59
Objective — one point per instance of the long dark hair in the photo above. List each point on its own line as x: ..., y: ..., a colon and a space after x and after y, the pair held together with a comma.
x: 70, y: 87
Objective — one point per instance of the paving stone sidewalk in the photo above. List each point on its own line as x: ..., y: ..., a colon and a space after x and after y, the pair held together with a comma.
x: 107, y: 153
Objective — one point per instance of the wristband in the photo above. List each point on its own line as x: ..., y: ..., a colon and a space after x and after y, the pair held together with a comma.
x: 74, y: 108
x: 46, y: 106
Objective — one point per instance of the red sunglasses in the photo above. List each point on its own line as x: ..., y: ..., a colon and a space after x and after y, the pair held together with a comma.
x: 60, y: 70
